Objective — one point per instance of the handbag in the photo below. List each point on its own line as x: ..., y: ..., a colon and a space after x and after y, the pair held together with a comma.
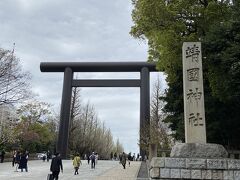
x: 49, y: 177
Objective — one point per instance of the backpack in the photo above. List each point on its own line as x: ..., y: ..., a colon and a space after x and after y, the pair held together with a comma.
x: 92, y: 157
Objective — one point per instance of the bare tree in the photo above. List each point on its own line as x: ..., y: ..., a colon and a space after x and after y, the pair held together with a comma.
x: 159, y: 131
x: 8, y: 118
x: 87, y: 133
x: 118, y: 147
x: 75, y: 113
x: 34, y: 111
x: 108, y: 143
x: 14, y: 82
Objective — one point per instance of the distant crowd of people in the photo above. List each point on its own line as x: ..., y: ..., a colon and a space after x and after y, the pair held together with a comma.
x: 130, y: 157
x: 93, y: 158
x: 124, y: 158
x: 20, y: 161
x: 56, y: 164
x: 47, y: 155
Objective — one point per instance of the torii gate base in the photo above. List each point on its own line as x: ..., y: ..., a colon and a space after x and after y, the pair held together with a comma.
x: 70, y: 67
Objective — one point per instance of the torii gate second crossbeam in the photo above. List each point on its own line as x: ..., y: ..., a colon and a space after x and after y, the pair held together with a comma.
x: 70, y: 67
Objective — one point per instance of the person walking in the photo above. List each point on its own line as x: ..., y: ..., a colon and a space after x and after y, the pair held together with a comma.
x: 115, y: 156
x: 14, y: 154
x: 134, y: 158
x: 44, y: 157
x: 76, y: 163
x: 120, y: 157
x: 56, y: 165
x: 123, y: 160
x: 85, y: 157
x: 17, y: 160
x: 93, y: 158
x: 23, y: 162
x: 2, y: 155
x: 48, y: 155
x: 129, y: 158
x: 96, y: 158
x: 88, y: 158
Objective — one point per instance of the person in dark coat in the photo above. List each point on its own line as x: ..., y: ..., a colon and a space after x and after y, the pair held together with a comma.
x: 23, y: 162
x: 88, y: 158
x: 49, y: 155
x: 2, y: 155
x: 93, y: 160
x: 129, y: 157
x: 56, y: 165
x: 124, y: 160
x: 115, y: 156
x: 44, y: 157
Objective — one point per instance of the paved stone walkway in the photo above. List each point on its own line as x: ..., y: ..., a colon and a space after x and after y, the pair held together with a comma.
x: 105, y: 170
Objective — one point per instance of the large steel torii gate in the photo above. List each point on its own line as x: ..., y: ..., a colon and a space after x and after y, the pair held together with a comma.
x: 70, y: 67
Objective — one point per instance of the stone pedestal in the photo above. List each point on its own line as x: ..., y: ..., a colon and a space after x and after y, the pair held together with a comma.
x: 195, y: 161
x: 198, y: 150
x: 194, y: 168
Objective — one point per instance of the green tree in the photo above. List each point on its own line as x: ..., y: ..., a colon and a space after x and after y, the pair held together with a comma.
x: 35, y: 130
x: 34, y: 137
x: 222, y: 44
x: 166, y: 24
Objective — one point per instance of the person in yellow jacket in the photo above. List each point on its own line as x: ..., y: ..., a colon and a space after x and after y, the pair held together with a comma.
x: 76, y: 163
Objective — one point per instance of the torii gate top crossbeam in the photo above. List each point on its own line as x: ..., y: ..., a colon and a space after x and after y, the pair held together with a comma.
x: 97, y: 66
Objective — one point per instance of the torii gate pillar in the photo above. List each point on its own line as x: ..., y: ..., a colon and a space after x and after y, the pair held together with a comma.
x: 144, y: 108
x: 63, y: 134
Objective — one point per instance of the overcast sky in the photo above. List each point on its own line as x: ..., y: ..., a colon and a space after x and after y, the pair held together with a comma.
x: 81, y: 31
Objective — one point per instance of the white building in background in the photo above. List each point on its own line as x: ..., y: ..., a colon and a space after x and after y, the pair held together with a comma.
x: 8, y: 117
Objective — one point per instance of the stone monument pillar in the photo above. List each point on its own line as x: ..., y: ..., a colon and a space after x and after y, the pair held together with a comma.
x: 194, y: 114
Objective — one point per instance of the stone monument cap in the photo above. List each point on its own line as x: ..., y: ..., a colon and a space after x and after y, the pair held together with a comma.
x: 198, y: 150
